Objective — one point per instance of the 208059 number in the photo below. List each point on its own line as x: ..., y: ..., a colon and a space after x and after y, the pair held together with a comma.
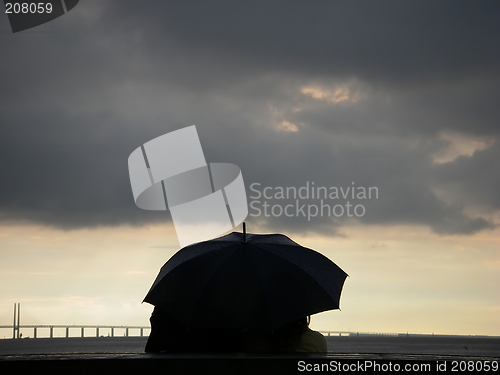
x: 474, y: 366
x: 28, y: 8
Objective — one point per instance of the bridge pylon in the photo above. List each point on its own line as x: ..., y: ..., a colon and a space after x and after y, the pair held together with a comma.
x: 17, y: 321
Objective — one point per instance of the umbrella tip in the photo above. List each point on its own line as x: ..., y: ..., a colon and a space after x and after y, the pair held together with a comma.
x: 244, y: 232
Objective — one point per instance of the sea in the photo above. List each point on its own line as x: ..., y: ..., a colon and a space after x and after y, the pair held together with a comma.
x: 124, y: 355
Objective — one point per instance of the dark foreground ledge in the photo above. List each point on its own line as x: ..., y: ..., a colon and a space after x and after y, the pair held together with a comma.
x: 239, y: 364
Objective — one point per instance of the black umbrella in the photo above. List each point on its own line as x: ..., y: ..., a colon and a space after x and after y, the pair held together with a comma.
x: 246, y: 281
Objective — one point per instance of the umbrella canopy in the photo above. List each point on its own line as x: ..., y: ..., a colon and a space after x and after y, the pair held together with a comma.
x: 252, y: 281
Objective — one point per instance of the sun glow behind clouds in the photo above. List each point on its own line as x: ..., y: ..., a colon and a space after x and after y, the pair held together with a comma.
x: 459, y: 145
x: 345, y: 93
x: 339, y: 94
x: 287, y: 126
x: 280, y: 122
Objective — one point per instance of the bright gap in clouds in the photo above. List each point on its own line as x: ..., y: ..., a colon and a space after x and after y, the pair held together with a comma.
x: 458, y: 144
x: 338, y: 94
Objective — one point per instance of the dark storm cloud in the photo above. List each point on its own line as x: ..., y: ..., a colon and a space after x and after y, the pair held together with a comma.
x: 77, y: 100
x: 475, y: 179
x: 384, y: 40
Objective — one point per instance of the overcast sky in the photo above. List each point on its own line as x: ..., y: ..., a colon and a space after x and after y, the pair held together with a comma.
x: 402, y: 96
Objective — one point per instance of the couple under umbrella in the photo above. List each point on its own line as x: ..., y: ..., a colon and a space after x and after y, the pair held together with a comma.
x: 242, y: 293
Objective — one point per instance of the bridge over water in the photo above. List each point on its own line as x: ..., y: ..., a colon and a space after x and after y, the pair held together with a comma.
x: 35, y: 327
x: 142, y: 330
x: 16, y: 327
